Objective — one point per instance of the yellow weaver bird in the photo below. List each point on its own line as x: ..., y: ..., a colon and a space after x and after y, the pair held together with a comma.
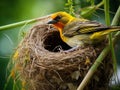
x: 78, y: 31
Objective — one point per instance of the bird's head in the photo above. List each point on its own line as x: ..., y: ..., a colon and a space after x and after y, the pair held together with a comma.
x: 60, y: 19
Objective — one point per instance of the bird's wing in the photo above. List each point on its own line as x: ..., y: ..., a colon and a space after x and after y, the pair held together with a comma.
x: 86, y: 27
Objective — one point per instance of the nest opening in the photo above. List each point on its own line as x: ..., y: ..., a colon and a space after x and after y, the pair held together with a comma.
x: 54, y: 43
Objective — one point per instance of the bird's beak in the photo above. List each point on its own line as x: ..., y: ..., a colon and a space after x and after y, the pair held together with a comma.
x: 52, y: 22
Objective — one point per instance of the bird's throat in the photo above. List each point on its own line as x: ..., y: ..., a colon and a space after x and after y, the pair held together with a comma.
x: 59, y: 25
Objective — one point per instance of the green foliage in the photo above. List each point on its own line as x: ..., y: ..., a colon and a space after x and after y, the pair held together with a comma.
x: 91, y: 1
x: 78, y: 7
x: 70, y: 7
x: 90, y: 10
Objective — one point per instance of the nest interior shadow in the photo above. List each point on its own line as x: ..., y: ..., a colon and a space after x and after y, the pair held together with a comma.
x: 54, y: 43
x: 44, y: 67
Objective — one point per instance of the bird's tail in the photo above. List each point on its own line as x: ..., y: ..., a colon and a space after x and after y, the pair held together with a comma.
x: 99, y: 34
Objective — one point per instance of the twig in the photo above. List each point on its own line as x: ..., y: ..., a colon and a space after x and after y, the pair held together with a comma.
x: 116, y: 18
x: 93, y: 68
x: 100, y: 4
x: 106, y: 10
x: 9, y: 26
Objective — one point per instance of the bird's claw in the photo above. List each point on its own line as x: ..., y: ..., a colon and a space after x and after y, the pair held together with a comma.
x: 72, y: 49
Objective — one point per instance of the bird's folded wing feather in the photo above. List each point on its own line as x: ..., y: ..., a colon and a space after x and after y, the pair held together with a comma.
x: 86, y: 27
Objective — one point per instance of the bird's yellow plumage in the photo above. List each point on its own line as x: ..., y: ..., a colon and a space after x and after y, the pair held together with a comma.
x: 79, y: 31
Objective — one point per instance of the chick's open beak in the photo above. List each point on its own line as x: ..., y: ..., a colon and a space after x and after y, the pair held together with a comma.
x: 52, y: 22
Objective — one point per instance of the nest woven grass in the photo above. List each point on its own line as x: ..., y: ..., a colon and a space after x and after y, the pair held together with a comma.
x: 45, y: 63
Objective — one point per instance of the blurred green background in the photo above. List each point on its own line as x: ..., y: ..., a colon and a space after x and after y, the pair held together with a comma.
x: 12, y: 11
x: 18, y: 10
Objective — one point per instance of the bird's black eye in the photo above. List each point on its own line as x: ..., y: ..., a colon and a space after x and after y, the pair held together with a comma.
x: 57, y: 18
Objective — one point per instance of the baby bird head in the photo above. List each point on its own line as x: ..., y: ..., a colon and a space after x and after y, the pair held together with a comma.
x: 60, y: 19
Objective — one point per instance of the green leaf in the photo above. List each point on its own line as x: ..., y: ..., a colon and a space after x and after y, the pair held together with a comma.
x: 87, y: 11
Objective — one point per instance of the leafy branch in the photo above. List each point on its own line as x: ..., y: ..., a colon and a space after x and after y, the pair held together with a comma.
x: 70, y: 7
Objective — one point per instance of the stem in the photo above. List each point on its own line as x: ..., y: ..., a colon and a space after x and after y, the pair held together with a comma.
x: 116, y: 18
x: 107, y: 19
x: 115, y: 22
x: 94, y: 68
x: 113, y: 53
x: 17, y: 24
x: 117, y: 35
x: 5, y: 27
x: 107, y: 15
x: 100, y: 4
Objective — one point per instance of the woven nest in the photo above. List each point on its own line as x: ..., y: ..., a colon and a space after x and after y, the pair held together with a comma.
x: 46, y: 64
